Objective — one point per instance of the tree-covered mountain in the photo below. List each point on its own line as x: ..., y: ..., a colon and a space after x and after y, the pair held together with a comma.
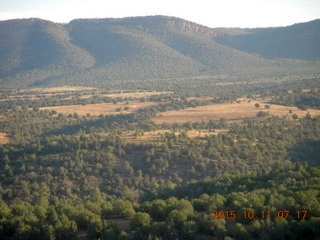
x: 299, y: 41
x: 96, y: 52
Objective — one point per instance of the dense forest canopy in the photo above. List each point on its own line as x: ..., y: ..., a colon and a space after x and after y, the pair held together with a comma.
x: 69, y: 176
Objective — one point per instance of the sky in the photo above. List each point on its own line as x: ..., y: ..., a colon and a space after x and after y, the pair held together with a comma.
x: 211, y: 13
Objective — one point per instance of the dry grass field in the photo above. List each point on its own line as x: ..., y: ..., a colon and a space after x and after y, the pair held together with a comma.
x: 58, y: 89
x: 128, y: 94
x: 34, y: 93
x: 4, y: 138
x: 135, y: 94
x: 101, y: 108
x: 112, y: 94
x: 229, y: 111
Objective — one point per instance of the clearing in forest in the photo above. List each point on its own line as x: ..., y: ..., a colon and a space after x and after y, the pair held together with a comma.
x: 80, y: 92
x: 135, y: 94
x: 4, y: 138
x: 58, y: 89
x: 240, y: 110
x: 101, y: 108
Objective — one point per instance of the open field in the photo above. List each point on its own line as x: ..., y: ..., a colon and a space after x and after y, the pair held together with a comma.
x: 229, y: 111
x: 4, y: 138
x: 58, y: 89
x: 37, y: 93
x: 128, y: 94
x: 82, y: 92
x: 101, y: 108
x: 135, y: 94
x: 32, y: 96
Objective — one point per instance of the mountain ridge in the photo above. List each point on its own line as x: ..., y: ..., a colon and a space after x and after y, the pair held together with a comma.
x: 298, y: 41
x: 97, y: 51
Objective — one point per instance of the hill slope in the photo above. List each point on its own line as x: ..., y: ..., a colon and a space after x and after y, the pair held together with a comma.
x: 300, y: 41
x: 34, y: 43
x: 96, y: 52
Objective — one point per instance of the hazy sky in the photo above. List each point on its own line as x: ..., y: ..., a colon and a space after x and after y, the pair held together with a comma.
x: 212, y: 13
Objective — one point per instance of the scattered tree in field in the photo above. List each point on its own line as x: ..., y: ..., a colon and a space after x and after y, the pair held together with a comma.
x: 308, y: 115
x: 262, y: 114
x: 63, y: 175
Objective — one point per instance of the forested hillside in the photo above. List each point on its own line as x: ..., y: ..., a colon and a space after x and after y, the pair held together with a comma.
x: 99, y: 52
x: 97, y: 156
x: 100, y: 176
x: 299, y: 41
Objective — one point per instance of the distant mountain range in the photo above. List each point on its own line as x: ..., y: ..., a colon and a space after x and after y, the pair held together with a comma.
x: 94, y: 52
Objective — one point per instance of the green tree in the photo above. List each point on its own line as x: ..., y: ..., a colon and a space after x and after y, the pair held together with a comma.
x: 189, y: 230
x: 140, y: 219
x: 295, y: 116
x: 123, y: 208
x: 176, y: 218
x: 158, y: 210
x: 240, y: 232
x: 185, y: 206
